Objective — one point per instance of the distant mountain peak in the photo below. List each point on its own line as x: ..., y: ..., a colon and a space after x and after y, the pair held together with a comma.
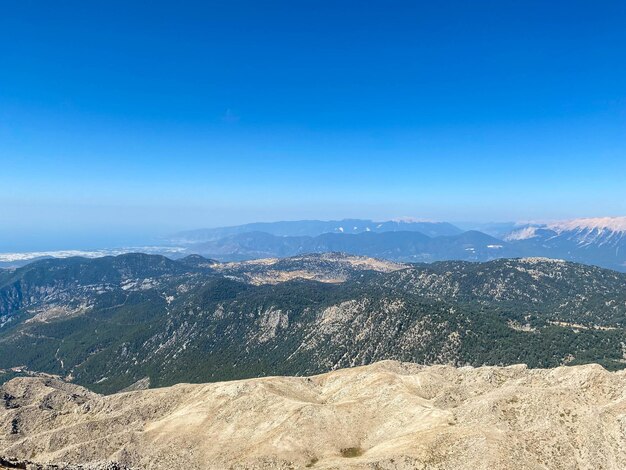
x: 613, y: 224
x: 598, y: 226
x: 598, y: 240
x: 313, y: 228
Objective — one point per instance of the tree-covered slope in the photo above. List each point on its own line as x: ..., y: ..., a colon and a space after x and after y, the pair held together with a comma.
x: 199, y: 321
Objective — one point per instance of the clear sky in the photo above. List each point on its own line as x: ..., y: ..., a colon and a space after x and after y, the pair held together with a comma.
x: 122, y: 119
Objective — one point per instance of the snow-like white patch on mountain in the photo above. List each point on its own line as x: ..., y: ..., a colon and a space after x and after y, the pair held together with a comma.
x: 522, y: 234
x: 585, y: 231
x: 613, y: 224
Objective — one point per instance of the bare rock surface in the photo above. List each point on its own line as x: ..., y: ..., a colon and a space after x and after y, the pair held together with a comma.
x: 322, y: 267
x: 388, y: 415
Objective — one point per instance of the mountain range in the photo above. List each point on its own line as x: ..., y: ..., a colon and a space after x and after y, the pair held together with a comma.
x: 396, y: 246
x: 140, y: 320
x: 599, y: 241
x: 312, y: 228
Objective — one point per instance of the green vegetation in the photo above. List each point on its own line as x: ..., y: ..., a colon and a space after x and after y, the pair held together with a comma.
x: 175, y: 323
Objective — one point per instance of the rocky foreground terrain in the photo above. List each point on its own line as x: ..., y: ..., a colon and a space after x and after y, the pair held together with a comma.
x: 388, y: 415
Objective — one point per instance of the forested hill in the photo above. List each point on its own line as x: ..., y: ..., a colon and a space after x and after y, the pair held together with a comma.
x: 109, y: 322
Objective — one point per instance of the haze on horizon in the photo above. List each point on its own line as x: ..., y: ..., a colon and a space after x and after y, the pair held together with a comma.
x: 122, y: 121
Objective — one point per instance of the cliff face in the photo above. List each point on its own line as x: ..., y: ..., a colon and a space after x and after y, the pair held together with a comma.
x: 388, y: 415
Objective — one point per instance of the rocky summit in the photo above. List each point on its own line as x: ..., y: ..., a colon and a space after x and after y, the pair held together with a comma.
x: 388, y: 415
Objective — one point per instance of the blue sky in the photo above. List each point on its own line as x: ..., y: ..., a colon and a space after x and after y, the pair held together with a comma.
x: 120, y: 120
